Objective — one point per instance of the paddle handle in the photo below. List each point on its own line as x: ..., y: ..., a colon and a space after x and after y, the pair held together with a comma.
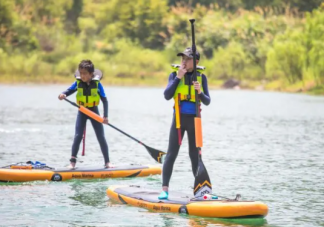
x: 193, y: 47
x: 72, y: 103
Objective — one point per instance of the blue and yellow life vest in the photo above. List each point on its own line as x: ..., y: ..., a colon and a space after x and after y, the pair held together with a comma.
x: 88, y: 96
x: 185, y: 92
x: 183, y: 89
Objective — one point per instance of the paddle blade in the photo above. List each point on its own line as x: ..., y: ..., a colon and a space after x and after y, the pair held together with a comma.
x: 202, y: 182
x: 198, y: 132
x: 156, y: 154
x: 91, y: 114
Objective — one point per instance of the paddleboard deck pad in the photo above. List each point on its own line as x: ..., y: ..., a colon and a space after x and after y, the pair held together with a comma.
x: 183, y: 203
x: 24, y: 173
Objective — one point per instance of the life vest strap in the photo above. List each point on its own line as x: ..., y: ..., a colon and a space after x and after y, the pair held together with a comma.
x: 187, y: 97
x: 91, y: 104
x: 177, y: 116
x: 177, y: 111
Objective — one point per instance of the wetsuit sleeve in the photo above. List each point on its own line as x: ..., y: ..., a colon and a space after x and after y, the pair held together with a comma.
x: 171, y: 87
x: 204, y: 96
x: 71, y: 89
x: 103, y: 98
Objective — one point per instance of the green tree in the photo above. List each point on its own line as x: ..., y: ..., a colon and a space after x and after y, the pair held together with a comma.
x: 142, y: 21
x: 16, y: 33
x: 288, y: 56
x: 47, y: 12
x: 72, y: 15
x: 308, y: 5
x: 231, y: 5
x: 313, y: 36
x: 6, y: 21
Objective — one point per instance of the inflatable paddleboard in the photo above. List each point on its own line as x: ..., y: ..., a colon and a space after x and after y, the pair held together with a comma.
x: 23, y: 173
x: 183, y: 203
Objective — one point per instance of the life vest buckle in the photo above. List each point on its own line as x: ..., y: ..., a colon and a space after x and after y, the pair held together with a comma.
x: 188, y: 97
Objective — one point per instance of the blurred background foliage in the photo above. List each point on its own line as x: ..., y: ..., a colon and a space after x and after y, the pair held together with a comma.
x: 263, y: 44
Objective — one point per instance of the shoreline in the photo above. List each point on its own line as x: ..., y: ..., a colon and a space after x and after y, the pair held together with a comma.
x: 159, y: 83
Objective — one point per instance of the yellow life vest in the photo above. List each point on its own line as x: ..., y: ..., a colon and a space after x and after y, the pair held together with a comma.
x: 183, y: 90
x: 182, y: 93
x: 88, y: 96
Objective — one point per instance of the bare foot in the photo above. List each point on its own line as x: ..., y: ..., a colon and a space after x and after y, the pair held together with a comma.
x: 109, y: 165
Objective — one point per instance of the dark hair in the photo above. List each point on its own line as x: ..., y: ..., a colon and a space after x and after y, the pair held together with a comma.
x: 87, y: 65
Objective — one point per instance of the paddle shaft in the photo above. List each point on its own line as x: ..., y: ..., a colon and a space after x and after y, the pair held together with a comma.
x: 192, y: 21
x: 198, y: 126
x: 202, y: 183
x: 99, y: 119
x: 114, y: 127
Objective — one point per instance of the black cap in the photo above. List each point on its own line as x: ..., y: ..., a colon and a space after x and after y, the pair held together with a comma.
x: 188, y: 53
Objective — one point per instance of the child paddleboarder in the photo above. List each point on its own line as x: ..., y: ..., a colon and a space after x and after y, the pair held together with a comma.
x: 89, y: 93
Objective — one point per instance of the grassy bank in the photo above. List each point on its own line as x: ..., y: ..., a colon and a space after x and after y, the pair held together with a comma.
x: 308, y: 87
x: 134, y: 42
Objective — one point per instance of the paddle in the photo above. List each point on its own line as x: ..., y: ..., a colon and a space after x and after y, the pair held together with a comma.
x: 156, y: 154
x: 202, y: 182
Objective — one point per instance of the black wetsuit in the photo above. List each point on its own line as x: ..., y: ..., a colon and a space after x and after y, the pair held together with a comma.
x: 187, y: 115
x: 82, y: 119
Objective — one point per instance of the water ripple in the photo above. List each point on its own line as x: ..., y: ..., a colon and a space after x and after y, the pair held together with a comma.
x: 265, y: 146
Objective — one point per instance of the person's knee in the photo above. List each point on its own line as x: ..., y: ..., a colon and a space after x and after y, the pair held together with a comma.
x: 101, y: 138
x: 78, y: 136
x: 170, y: 158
